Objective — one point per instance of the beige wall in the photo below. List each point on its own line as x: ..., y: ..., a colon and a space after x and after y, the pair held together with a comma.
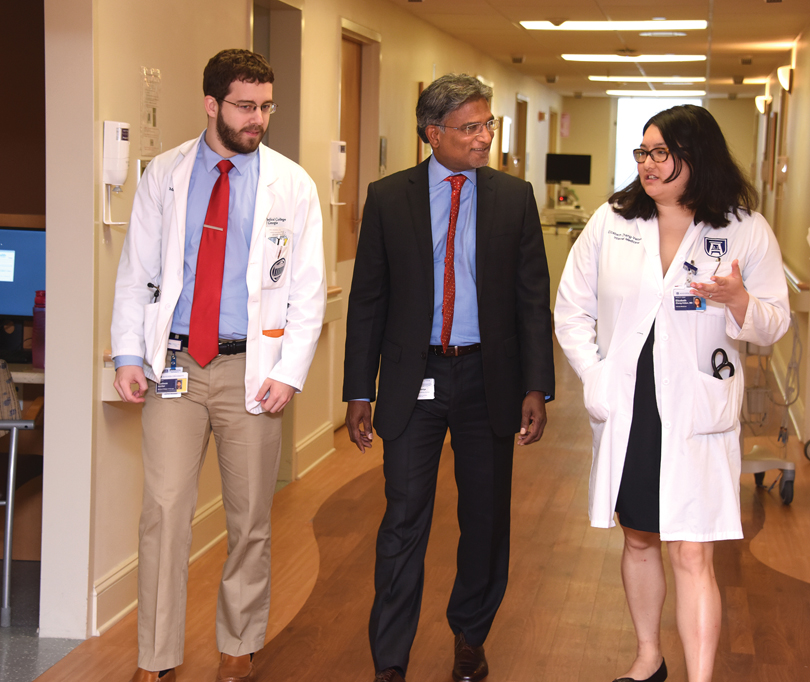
x: 592, y: 131
x: 95, y: 51
x: 787, y: 207
x: 67, y: 514
x: 738, y: 121
x: 794, y: 199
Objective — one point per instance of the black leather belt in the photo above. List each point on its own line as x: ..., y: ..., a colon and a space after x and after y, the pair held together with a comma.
x: 455, y: 351
x: 225, y: 347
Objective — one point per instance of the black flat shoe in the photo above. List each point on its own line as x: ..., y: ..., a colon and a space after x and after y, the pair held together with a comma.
x: 658, y: 676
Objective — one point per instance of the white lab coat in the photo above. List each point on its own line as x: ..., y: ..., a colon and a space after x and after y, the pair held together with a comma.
x: 294, y: 302
x: 611, y: 292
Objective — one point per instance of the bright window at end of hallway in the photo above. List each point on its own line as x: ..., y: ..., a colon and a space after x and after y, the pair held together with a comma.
x: 632, y: 114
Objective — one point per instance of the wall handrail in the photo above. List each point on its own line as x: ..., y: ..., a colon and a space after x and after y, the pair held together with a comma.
x: 793, y: 281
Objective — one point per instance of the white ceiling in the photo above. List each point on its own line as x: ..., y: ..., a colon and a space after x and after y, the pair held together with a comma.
x: 738, y: 29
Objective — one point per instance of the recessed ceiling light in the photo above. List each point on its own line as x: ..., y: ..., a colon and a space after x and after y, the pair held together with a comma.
x: 755, y: 81
x: 647, y: 79
x: 635, y: 58
x: 615, y: 25
x: 656, y: 93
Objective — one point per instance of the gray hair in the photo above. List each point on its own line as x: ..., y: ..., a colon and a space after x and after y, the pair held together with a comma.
x: 443, y: 96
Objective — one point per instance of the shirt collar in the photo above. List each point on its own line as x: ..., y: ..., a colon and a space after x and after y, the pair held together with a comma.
x: 438, y: 173
x: 210, y: 158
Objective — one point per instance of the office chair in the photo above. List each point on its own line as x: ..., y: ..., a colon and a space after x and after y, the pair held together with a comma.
x: 11, y: 420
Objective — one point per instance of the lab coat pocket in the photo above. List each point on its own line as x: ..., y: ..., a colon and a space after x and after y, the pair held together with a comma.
x: 716, y: 404
x: 594, y: 388
x: 276, y: 262
x: 150, y: 315
x: 271, y: 351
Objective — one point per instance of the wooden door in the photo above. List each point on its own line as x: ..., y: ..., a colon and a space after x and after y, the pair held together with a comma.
x: 349, y: 214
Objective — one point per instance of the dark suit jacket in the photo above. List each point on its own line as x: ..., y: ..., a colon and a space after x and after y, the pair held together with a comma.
x: 391, y: 302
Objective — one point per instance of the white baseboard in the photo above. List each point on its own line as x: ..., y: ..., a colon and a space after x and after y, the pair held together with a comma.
x: 116, y: 594
x: 312, y: 450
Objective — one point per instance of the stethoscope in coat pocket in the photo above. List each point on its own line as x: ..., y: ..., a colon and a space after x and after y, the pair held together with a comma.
x: 718, y: 369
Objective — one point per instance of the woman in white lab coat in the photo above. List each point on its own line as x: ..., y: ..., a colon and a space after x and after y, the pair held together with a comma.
x: 672, y: 270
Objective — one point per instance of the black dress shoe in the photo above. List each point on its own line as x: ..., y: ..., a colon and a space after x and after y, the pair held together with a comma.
x: 388, y: 675
x: 658, y: 676
x: 470, y: 664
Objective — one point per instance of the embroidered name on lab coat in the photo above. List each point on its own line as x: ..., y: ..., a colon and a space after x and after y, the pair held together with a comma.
x: 622, y: 237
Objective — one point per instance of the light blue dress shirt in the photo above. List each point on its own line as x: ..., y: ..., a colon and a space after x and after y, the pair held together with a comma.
x: 465, y: 309
x: 243, y: 180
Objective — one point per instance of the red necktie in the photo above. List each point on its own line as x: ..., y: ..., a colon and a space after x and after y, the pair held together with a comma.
x: 203, y: 327
x: 449, y: 299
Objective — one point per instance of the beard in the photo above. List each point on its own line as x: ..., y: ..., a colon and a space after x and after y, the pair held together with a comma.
x: 230, y: 137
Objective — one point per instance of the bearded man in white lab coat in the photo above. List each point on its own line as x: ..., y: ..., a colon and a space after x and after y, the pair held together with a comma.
x: 224, y: 352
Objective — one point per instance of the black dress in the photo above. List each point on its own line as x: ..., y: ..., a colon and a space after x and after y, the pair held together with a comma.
x: 638, y: 499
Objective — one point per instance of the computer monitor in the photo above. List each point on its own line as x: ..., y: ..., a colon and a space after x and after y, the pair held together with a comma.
x: 573, y: 168
x: 22, y: 270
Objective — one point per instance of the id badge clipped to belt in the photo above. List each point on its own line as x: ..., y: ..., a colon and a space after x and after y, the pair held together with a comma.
x: 173, y: 382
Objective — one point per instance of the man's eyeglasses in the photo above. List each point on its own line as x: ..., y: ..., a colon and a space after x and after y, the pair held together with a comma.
x: 250, y: 107
x: 474, y: 128
x: 659, y: 154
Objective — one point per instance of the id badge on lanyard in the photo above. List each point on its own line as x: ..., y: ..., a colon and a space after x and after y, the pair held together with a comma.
x: 683, y: 298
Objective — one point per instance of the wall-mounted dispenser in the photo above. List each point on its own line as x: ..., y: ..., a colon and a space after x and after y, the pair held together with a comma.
x: 114, y: 166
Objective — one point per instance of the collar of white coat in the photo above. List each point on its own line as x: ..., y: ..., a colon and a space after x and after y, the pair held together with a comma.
x: 651, y: 239
x: 268, y: 173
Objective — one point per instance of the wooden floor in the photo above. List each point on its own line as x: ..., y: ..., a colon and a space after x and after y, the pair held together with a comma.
x: 564, y: 616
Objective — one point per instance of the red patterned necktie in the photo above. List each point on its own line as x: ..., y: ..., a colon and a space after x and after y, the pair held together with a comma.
x: 203, y: 328
x: 449, y: 299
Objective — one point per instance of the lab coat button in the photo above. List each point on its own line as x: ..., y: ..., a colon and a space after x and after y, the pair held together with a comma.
x: 660, y: 294
x: 666, y: 382
x: 667, y: 425
x: 665, y: 337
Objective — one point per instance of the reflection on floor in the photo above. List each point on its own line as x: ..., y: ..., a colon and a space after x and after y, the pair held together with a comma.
x: 564, y: 616
x: 23, y: 655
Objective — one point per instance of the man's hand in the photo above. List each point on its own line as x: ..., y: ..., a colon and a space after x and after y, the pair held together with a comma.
x: 358, y: 412
x: 533, y: 421
x: 125, y: 376
x: 274, y: 395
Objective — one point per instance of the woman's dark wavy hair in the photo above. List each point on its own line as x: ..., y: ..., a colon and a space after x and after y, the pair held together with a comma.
x: 716, y: 188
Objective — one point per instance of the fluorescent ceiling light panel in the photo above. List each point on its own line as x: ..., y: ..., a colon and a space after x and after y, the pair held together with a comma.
x: 647, y: 79
x: 662, y: 34
x: 656, y: 93
x: 755, y: 81
x: 636, y: 58
x: 615, y: 25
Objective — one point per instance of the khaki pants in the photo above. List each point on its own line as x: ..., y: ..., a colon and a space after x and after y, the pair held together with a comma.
x: 176, y: 432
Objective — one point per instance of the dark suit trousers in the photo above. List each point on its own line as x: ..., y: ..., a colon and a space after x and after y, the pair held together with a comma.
x: 483, y: 471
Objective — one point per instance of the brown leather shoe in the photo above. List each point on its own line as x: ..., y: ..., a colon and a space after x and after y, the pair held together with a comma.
x: 142, y: 675
x: 470, y: 664
x: 235, y: 669
x: 388, y: 675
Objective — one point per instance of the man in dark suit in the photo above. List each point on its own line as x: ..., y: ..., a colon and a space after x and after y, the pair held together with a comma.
x: 450, y: 299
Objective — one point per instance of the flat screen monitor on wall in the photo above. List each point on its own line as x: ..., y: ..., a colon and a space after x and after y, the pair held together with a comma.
x: 573, y: 168
x: 22, y: 270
